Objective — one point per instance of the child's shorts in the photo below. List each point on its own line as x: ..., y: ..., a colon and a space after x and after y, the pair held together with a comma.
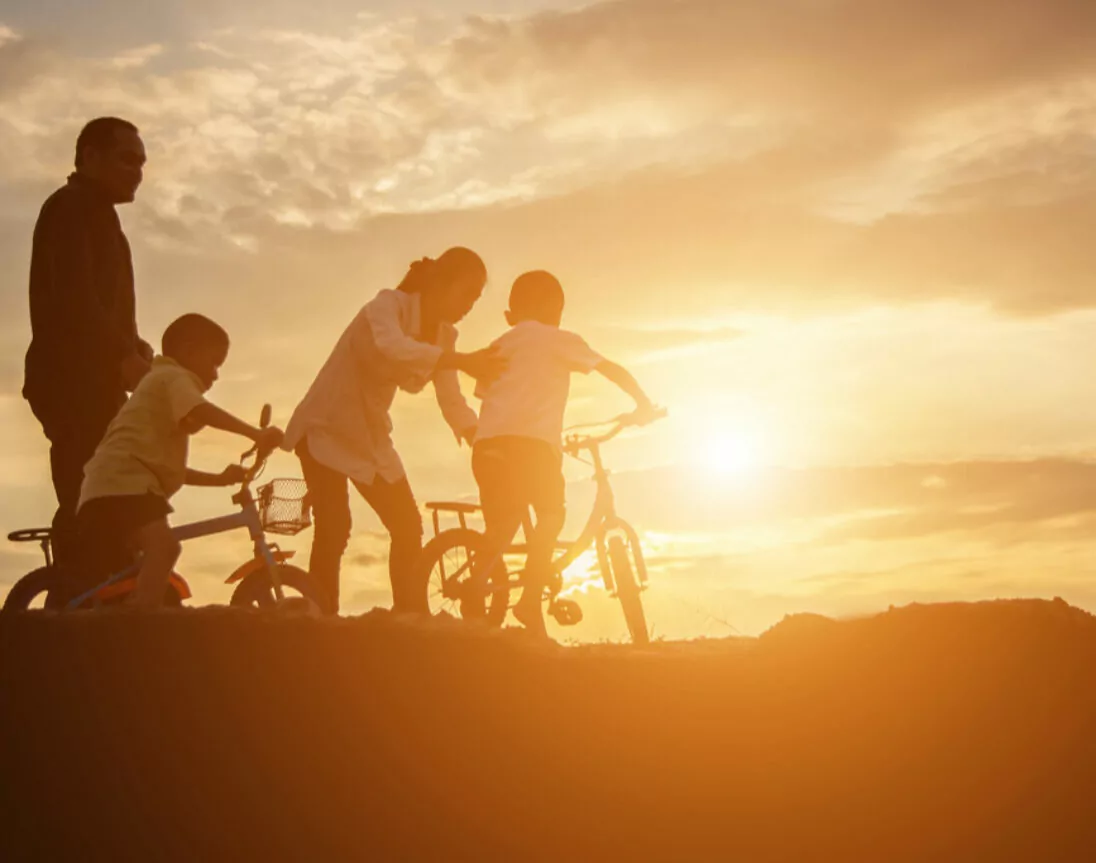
x: 107, y: 526
x: 516, y: 473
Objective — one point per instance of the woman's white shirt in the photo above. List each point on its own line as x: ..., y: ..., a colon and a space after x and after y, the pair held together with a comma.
x: 345, y: 414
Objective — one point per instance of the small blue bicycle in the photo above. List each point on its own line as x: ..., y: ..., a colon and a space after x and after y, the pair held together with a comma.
x: 280, y: 508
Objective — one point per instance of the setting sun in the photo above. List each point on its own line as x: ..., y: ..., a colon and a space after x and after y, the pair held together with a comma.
x: 731, y: 455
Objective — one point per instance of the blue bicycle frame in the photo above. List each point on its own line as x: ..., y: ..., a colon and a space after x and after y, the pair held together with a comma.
x: 248, y: 518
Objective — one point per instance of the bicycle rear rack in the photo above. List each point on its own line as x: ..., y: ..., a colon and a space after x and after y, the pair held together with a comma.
x: 461, y: 510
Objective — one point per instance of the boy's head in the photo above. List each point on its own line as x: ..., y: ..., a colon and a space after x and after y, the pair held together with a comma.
x: 536, y: 296
x: 197, y: 344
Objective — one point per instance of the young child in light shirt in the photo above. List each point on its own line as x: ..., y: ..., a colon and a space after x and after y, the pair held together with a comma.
x: 517, y: 458
x: 142, y: 461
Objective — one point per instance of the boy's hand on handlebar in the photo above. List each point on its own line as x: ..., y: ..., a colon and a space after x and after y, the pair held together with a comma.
x: 646, y: 412
x: 234, y: 474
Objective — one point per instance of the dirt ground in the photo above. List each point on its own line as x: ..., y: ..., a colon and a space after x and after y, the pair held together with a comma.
x: 929, y: 733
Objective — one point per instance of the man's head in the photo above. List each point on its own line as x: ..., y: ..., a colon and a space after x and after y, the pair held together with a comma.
x: 197, y: 344
x: 110, y: 152
x: 536, y: 296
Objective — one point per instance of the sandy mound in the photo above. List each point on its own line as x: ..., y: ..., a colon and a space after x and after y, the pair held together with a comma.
x: 930, y: 733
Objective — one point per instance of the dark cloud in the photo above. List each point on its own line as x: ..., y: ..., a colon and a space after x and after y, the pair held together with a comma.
x: 111, y: 25
x: 878, y: 503
x: 1010, y: 228
x: 21, y: 60
x: 693, y: 243
x: 657, y: 245
x: 368, y: 559
x: 887, y: 58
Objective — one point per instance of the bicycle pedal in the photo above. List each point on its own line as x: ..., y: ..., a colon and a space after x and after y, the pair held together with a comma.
x: 566, y: 612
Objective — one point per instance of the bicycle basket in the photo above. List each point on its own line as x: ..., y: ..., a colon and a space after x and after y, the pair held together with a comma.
x: 284, y: 507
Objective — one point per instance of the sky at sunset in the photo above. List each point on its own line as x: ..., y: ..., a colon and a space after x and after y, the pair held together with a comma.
x: 850, y: 244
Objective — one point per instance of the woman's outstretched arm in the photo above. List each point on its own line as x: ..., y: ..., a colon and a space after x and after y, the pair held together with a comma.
x: 458, y: 413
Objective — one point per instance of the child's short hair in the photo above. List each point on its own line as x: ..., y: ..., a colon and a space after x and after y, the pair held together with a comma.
x: 537, y: 296
x: 192, y: 330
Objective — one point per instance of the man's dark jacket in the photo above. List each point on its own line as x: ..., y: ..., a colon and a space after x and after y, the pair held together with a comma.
x: 82, y: 304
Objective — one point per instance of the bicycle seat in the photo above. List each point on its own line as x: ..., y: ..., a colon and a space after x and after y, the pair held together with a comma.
x: 453, y: 506
x: 32, y: 534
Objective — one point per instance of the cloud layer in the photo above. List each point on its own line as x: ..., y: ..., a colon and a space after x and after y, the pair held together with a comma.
x: 856, y: 225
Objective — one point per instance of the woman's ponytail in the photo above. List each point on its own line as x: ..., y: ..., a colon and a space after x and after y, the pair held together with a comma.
x: 419, y: 276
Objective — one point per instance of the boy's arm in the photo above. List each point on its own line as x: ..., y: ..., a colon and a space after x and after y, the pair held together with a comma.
x: 624, y: 379
x: 229, y: 476
x: 210, y: 415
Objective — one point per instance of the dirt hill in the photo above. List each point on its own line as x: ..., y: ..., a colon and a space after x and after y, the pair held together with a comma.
x: 929, y: 733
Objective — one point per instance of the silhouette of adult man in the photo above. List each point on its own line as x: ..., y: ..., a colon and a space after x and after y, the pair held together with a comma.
x: 85, y: 353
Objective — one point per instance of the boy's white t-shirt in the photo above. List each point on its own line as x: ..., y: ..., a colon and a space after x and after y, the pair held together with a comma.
x: 529, y: 398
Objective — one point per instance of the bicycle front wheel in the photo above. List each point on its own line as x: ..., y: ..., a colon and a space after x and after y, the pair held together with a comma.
x: 628, y: 590
x: 256, y: 590
x: 449, y: 562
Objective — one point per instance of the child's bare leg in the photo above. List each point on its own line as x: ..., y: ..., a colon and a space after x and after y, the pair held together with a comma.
x: 538, y: 569
x: 160, y: 552
x: 528, y: 609
x: 489, y: 566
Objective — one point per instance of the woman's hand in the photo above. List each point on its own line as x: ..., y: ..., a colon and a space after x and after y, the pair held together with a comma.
x: 485, y: 365
x: 468, y: 435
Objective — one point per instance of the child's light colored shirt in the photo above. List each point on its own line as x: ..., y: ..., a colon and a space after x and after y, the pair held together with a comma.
x: 530, y: 397
x: 145, y: 448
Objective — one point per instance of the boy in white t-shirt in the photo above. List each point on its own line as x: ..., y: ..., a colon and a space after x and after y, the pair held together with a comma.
x: 517, y: 457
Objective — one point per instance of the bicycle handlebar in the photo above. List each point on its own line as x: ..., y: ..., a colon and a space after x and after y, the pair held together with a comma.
x: 256, y: 466
x: 575, y: 443
x: 260, y: 455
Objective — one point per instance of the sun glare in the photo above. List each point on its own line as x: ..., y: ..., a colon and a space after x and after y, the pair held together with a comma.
x: 730, y: 455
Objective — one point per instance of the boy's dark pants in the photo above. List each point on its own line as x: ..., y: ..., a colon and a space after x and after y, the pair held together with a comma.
x: 74, y: 423
x: 515, y: 474
x: 393, y: 502
x: 107, y: 527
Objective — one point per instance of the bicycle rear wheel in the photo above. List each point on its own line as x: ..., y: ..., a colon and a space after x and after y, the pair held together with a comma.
x: 627, y: 589
x: 35, y: 587
x: 449, y: 562
x: 31, y: 588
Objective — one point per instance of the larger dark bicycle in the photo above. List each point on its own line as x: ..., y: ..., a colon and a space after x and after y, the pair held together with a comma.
x: 455, y: 558
x: 280, y: 507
